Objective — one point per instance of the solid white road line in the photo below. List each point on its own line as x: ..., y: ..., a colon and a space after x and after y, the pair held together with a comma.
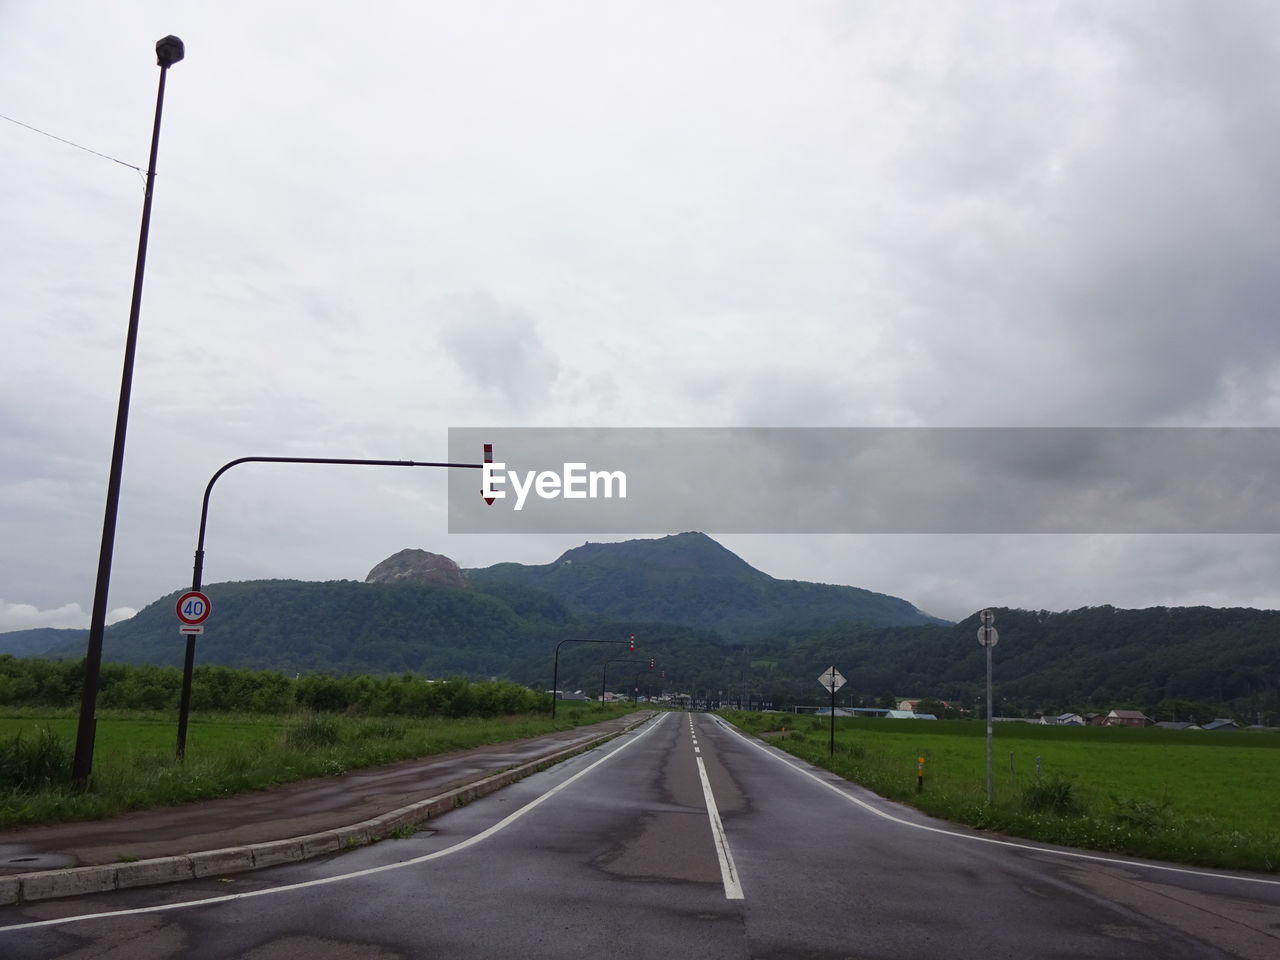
x: 1079, y: 855
x: 286, y: 888
x: 728, y: 872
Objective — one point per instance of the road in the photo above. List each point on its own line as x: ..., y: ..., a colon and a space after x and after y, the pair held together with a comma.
x: 681, y: 839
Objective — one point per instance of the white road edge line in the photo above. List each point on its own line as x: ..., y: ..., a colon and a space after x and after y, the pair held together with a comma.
x: 968, y: 836
x: 369, y: 871
x: 728, y: 872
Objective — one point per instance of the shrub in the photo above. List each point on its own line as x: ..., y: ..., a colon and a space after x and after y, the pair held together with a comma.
x: 1053, y: 794
x: 1146, y: 816
x: 381, y: 730
x: 855, y: 750
x: 313, y: 730
x: 35, y: 763
x: 320, y: 692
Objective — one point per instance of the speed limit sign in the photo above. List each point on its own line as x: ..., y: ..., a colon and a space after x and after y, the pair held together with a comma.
x: 192, y: 608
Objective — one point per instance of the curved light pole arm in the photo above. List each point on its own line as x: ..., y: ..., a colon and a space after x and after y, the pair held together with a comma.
x: 197, y: 570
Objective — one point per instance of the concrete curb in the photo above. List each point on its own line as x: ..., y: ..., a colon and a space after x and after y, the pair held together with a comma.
x: 77, y: 881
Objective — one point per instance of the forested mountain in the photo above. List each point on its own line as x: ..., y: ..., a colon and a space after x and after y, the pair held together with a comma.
x: 344, y: 627
x: 1176, y: 662
x: 1172, y: 662
x: 690, y: 579
x: 348, y: 627
x: 39, y: 641
x: 714, y: 624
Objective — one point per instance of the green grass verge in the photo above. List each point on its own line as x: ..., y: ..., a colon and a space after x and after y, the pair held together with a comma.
x: 135, y: 767
x: 1192, y: 797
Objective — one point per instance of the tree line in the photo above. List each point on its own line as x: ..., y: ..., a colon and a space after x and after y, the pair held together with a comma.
x: 57, y: 683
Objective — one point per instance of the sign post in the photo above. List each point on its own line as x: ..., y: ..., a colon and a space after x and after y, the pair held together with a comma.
x: 988, y: 638
x: 193, y: 609
x: 833, y: 681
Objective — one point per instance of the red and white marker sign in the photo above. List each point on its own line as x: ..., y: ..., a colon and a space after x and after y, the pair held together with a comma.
x: 488, y: 458
x: 192, y: 608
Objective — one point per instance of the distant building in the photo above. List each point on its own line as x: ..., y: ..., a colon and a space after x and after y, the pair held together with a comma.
x: 1178, y: 725
x: 908, y: 715
x: 912, y: 704
x: 1063, y: 720
x: 1220, y: 724
x: 1127, y: 718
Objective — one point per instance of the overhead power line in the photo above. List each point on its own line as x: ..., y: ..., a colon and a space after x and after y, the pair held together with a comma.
x: 45, y: 133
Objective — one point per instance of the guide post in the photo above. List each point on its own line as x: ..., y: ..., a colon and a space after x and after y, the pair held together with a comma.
x: 833, y: 681
x: 988, y: 637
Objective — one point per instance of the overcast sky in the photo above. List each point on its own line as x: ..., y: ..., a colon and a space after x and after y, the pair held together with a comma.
x: 377, y: 221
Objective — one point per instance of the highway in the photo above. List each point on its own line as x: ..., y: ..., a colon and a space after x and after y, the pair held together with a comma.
x: 681, y: 839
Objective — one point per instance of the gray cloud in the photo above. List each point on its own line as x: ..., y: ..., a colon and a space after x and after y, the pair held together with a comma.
x: 498, y: 348
x: 876, y: 214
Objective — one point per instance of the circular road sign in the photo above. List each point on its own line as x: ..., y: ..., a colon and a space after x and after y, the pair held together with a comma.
x: 995, y: 637
x: 192, y: 608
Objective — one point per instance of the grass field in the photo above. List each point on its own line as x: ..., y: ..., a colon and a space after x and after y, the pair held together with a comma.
x: 135, y: 767
x: 1211, y: 799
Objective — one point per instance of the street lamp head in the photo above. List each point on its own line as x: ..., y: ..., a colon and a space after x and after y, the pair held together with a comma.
x: 169, y: 51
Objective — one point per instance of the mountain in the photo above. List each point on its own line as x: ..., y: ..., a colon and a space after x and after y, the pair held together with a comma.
x: 714, y: 625
x: 692, y: 580
x: 39, y: 641
x: 691, y: 600
x: 1170, y: 661
x: 1173, y: 663
x: 342, y: 627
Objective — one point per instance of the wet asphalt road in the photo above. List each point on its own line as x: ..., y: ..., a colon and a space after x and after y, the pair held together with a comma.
x: 614, y: 854
x: 289, y: 810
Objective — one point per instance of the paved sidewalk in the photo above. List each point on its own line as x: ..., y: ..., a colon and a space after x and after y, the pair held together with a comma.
x: 265, y: 828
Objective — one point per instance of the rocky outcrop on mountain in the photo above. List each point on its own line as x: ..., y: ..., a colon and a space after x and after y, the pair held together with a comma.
x: 417, y: 566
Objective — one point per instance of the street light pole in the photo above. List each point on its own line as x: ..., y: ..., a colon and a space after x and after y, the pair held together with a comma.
x: 555, y: 670
x: 168, y: 52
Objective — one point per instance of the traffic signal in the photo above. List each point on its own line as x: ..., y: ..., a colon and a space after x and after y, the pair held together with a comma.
x: 633, y: 643
x: 488, y: 458
x: 652, y: 662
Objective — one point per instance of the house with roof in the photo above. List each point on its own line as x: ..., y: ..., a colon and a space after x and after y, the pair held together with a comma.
x: 1220, y: 724
x: 1063, y: 720
x: 1127, y: 718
